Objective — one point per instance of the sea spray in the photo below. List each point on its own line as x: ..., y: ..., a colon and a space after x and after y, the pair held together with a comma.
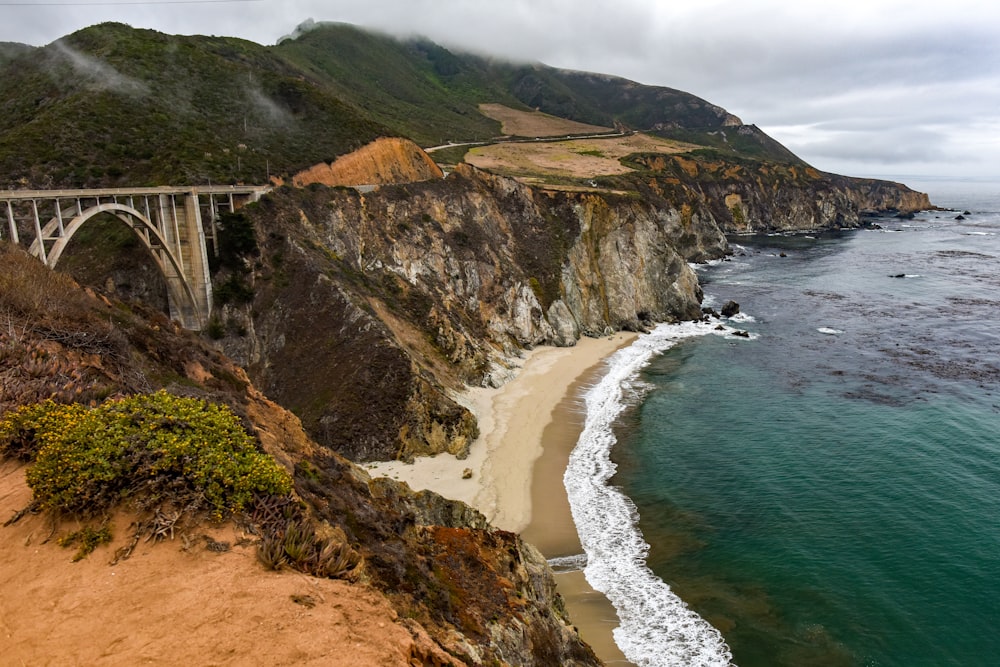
x: 656, y: 627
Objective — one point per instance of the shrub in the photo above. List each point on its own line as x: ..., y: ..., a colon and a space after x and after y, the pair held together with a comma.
x: 234, y: 290
x: 155, y: 446
x: 237, y: 239
x: 297, y: 545
x: 88, y: 539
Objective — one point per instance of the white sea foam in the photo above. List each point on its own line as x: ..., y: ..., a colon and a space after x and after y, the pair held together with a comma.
x: 656, y: 627
x: 742, y: 317
x: 700, y: 266
x: 573, y: 563
x: 830, y: 331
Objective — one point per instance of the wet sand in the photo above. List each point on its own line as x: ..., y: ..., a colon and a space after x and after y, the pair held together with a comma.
x: 528, y: 428
x: 552, y: 529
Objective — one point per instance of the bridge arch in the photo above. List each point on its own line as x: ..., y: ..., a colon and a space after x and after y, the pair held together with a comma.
x: 166, y: 219
x: 180, y: 294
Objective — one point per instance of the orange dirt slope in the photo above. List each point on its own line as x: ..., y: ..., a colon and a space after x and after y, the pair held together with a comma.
x: 383, y: 161
x: 168, y: 605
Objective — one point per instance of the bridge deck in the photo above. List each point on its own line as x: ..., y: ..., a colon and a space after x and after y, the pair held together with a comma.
x: 26, y: 195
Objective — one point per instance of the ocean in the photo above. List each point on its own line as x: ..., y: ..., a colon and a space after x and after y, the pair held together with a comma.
x: 827, y: 491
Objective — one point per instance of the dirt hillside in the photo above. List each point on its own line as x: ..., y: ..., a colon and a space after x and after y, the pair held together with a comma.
x: 171, y: 605
x: 384, y: 161
x: 536, y: 123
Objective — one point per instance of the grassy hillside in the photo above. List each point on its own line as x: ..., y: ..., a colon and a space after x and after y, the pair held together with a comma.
x: 431, y: 94
x: 11, y: 50
x: 416, y: 87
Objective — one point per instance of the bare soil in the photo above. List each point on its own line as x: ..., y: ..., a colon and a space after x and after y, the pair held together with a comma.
x: 171, y: 605
x: 535, y: 123
x: 575, y: 158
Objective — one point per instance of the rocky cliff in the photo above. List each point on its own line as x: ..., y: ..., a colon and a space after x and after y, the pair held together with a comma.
x: 369, y: 309
x: 745, y: 196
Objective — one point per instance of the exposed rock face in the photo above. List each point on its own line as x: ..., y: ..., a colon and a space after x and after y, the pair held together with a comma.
x: 383, y: 161
x: 747, y: 196
x: 371, y: 307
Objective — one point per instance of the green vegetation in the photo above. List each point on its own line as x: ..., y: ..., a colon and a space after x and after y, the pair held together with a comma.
x: 734, y: 142
x: 237, y: 240
x: 88, y: 539
x: 114, y: 105
x: 451, y: 155
x: 11, y: 50
x: 415, y: 87
x: 237, y: 246
x: 153, y: 447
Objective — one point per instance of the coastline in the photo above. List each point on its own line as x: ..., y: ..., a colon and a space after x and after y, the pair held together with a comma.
x: 552, y: 529
x: 527, y: 429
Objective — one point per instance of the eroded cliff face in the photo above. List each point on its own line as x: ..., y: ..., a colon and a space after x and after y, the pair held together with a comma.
x: 370, y: 309
x: 385, y: 160
x: 745, y: 196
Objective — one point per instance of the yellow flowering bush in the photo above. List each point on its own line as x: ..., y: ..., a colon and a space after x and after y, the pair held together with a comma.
x: 154, y: 445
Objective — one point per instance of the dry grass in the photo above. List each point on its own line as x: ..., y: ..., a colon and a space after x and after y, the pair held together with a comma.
x: 535, y: 123
x: 576, y: 158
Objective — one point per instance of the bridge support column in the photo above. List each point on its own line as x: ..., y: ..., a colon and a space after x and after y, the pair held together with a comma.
x: 180, y: 224
x: 12, y: 223
x: 196, y: 257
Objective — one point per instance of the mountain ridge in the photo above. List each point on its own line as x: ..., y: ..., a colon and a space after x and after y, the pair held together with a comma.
x: 197, y: 108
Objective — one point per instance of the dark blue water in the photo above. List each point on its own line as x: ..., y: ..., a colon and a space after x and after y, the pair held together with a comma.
x: 829, y: 492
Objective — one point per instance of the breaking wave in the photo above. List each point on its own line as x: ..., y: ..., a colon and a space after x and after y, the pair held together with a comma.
x: 656, y: 626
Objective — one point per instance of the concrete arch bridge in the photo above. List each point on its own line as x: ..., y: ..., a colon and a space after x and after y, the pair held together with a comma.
x: 176, y: 224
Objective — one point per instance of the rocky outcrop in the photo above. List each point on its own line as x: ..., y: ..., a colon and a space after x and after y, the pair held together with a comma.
x: 370, y: 308
x: 745, y: 196
x: 383, y: 161
x: 875, y: 196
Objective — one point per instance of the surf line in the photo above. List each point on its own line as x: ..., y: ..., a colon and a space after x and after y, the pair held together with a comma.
x: 655, y: 627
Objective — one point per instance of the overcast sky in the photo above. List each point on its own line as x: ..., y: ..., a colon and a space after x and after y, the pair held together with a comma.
x: 884, y: 88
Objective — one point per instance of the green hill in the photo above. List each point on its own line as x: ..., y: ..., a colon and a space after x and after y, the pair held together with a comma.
x: 431, y: 94
x: 113, y: 105
x: 11, y: 50
x: 416, y: 87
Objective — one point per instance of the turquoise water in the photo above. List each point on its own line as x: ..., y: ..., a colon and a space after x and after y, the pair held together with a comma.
x: 829, y: 492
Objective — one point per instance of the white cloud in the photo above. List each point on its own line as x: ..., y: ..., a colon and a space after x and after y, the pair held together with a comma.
x: 98, y: 75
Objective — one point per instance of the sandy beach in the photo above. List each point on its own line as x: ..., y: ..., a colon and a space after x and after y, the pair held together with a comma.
x: 528, y: 428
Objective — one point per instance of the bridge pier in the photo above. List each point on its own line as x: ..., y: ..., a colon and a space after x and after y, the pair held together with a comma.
x: 167, y: 220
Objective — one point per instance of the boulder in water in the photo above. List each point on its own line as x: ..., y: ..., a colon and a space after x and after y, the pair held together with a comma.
x: 730, y: 309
